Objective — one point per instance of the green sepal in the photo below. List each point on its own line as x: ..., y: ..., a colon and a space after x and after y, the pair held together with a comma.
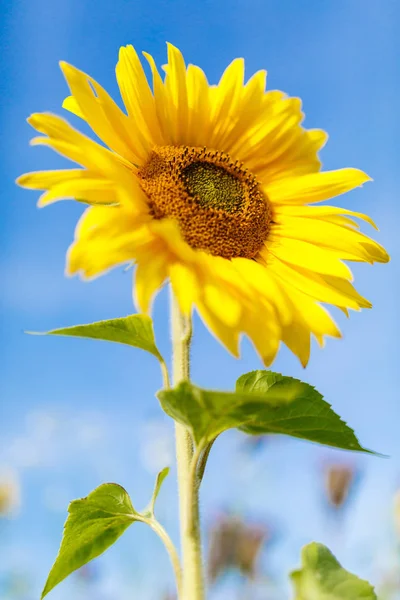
x: 95, y: 203
x: 321, y: 577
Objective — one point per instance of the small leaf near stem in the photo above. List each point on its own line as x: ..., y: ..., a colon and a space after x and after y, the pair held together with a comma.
x: 159, y: 481
x: 321, y: 577
x: 96, y: 522
x: 93, y: 525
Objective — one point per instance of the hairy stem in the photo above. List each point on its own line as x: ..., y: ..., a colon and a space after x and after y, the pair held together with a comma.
x: 192, y: 565
x: 173, y: 555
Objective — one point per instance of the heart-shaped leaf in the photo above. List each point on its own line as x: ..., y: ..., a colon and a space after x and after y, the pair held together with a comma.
x: 93, y: 525
x: 264, y: 402
x: 321, y: 577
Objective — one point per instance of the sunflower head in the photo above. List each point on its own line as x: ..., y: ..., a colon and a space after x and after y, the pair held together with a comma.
x: 216, y: 202
x: 212, y: 188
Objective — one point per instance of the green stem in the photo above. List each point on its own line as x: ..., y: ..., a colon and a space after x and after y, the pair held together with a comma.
x: 192, y: 564
x: 173, y: 555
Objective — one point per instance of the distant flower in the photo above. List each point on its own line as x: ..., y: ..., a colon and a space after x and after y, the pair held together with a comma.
x: 10, y: 493
x: 235, y: 544
x: 339, y: 480
x: 209, y: 186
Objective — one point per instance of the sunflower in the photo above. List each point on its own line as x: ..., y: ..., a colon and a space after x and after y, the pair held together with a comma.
x: 209, y: 187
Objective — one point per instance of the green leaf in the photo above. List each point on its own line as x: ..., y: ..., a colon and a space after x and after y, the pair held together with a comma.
x: 264, y: 402
x: 133, y: 330
x: 303, y: 412
x: 321, y: 577
x: 159, y: 481
x: 93, y: 525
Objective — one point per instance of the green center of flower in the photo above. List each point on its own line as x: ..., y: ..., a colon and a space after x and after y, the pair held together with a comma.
x: 216, y: 201
x: 213, y: 187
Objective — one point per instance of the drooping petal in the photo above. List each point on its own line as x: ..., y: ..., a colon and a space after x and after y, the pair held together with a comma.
x: 309, y: 256
x: 103, y: 115
x: 349, y: 244
x: 138, y: 98
x: 319, y: 212
x: 78, y: 184
x: 315, y: 187
x: 72, y: 144
x: 149, y: 277
x: 327, y: 289
x: 185, y: 285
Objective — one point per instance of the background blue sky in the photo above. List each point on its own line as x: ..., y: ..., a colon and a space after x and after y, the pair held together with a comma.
x: 76, y: 413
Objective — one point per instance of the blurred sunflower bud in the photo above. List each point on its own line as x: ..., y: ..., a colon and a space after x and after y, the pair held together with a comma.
x: 9, y: 493
x: 339, y: 480
x: 396, y: 512
x: 235, y: 544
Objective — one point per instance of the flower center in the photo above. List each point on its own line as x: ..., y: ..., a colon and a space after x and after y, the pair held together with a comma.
x: 216, y: 201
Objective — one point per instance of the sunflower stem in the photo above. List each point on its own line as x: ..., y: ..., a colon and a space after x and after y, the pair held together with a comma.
x: 188, y: 485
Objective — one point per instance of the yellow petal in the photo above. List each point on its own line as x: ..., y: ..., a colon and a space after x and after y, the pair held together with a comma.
x: 228, y: 336
x: 320, y: 212
x: 315, y: 187
x: 265, y: 336
x: 309, y: 256
x: 72, y: 106
x: 185, y: 285
x: 224, y: 306
x: 256, y: 276
x: 92, y: 190
x: 277, y: 132
x: 349, y: 244
x: 199, y: 107
x: 225, y: 99
x: 300, y: 158
x: 322, y: 288
x: 71, y: 143
x: 149, y: 277
x: 176, y: 94
x: 103, y: 115
x: 70, y: 183
x: 297, y: 338
x: 161, y: 101
x: 138, y: 97
x: 42, y: 180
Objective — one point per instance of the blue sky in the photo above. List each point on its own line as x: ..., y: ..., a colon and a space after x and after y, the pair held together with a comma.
x: 74, y: 413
